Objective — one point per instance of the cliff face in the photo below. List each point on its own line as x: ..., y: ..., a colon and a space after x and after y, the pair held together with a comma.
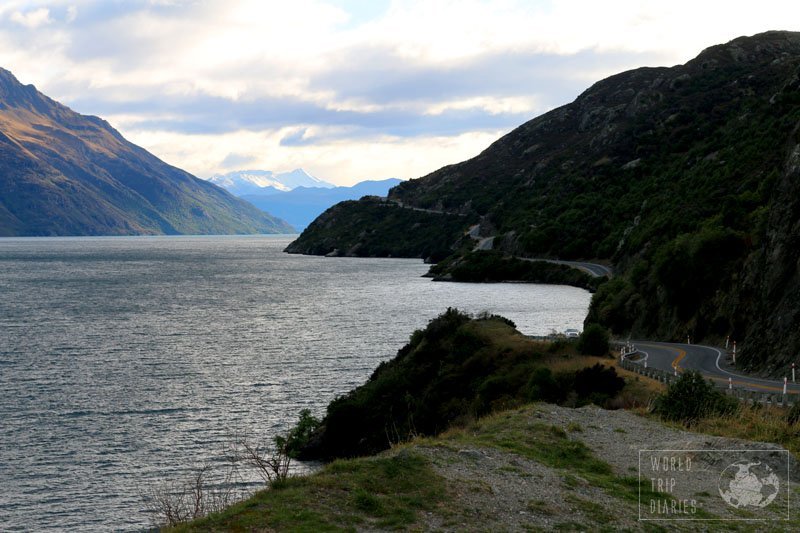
x: 685, y: 178
x: 772, y: 287
x: 62, y: 173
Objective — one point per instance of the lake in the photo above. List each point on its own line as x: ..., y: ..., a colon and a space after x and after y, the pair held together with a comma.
x: 129, y: 360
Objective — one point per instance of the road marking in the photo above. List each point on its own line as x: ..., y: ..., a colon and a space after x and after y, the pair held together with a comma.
x: 677, y: 360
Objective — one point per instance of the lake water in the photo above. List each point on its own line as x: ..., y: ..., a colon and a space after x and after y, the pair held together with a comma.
x: 128, y: 360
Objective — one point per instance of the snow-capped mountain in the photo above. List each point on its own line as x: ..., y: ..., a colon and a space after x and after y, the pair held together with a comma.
x: 243, y: 182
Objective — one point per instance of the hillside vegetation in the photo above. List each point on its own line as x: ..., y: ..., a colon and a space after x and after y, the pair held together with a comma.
x: 371, y: 227
x: 456, y: 369
x: 686, y: 179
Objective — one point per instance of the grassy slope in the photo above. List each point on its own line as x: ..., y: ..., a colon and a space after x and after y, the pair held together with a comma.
x: 378, y: 492
x: 402, y: 489
x: 457, y: 368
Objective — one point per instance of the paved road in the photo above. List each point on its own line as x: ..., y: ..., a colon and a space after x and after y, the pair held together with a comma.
x: 593, y: 269
x: 709, y: 362
x: 398, y: 203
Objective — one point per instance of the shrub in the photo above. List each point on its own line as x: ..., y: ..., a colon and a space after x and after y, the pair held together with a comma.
x: 593, y: 340
x: 597, y: 384
x: 542, y: 386
x: 691, y: 398
x: 490, y: 316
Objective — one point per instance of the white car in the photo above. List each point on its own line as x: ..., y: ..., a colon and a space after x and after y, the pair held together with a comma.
x: 572, y: 333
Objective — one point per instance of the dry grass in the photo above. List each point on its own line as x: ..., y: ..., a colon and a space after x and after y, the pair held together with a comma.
x: 506, y: 339
x: 762, y: 424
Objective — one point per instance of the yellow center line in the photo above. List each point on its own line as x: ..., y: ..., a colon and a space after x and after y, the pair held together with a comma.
x: 681, y: 355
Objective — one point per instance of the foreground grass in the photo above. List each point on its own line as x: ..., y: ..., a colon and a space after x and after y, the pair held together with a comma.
x: 385, y: 492
x: 758, y: 422
x: 401, y: 489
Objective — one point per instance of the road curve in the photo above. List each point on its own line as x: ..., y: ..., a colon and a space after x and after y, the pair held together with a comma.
x: 708, y: 361
x: 593, y: 269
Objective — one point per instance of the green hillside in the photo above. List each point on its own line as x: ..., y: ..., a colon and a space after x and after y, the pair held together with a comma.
x: 684, y: 178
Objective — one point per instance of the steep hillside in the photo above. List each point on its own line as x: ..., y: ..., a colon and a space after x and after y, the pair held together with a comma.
x: 685, y: 178
x: 62, y: 173
x: 372, y: 227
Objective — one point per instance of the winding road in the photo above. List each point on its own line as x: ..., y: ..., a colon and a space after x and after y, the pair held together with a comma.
x: 593, y: 269
x: 709, y: 361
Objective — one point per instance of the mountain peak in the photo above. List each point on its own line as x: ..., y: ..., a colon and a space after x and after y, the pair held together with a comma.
x: 241, y: 182
x: 15, y: 94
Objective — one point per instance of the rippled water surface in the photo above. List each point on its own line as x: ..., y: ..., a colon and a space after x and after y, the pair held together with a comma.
x: 128, y: 360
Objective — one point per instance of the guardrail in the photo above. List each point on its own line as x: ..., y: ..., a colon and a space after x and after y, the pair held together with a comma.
x: 746, y: 396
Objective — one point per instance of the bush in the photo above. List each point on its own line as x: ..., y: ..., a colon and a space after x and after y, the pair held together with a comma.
x: 542, y: 386
x: 597, y: 384
x: 299, y: 436
x: 594, y: 340
x: 691, y: 398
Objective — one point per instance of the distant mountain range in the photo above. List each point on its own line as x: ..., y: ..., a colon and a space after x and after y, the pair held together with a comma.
x: 62, y: 173
x: 243, y: 182
x: 300, y: 206
x: 296, y: 196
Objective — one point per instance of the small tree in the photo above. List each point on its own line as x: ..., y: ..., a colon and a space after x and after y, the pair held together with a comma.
x: 299, y: 436
x: 271, y: 462
x: 202, y: 492
x: 691, y: 398
x: 594, y: 340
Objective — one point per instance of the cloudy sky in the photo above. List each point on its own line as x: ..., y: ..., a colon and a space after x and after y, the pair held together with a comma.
x: 349, y: 90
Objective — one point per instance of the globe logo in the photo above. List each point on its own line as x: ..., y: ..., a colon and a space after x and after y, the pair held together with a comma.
x: 744, y: 484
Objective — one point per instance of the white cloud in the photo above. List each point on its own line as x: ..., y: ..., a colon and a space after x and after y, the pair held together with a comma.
x: 32, y: 19
x: 342, y: 161
x: 134, y: 57
x: 489, y: 104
